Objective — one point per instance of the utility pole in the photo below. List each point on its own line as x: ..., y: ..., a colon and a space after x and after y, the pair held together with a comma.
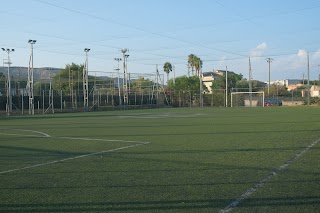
x: 174, y: 75
x: 269, y: 60
x: 250, y: 83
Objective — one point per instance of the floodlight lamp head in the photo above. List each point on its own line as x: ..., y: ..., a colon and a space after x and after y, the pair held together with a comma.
x: 124, y: 50
x: 12, y: 50
x: 3, y: 49
x: 32, y: 41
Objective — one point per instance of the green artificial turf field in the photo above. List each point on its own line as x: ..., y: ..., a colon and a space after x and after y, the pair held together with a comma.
x: 162, y: 160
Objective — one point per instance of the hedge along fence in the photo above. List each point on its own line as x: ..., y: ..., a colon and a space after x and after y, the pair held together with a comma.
x: 191, y: 98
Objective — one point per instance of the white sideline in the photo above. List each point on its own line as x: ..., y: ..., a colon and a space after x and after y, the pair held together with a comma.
x: 44, y: 135
x: 250, y: 191
x: 72, y: 158
x: 72, y: 138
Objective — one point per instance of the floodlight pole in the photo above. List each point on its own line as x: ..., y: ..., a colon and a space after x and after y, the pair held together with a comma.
x: 319, y: 75
x: 157, y: 80
x: 85, y: 80
x: 226, y: 86
x: 118, y: 69
x: 201, y: 87
x: 250, y: 83
x: 30, y: 78
x: 125, y: 80
x: 269, y: 60
x: 308, y: 79
x: 9, y: 98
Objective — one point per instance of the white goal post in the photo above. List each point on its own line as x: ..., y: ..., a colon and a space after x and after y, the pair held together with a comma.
x: 247, y: 99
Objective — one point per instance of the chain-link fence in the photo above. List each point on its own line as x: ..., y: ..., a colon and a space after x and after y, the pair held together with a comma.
x: 101, y: 99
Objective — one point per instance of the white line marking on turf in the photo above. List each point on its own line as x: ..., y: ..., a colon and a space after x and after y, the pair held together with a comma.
x: 250, y: 191
x: 98, y: 139
x: 12, y: 134
x: 26, y: 130
x: 72, y: 158
x: 44, y: 135
x: 152, y: 116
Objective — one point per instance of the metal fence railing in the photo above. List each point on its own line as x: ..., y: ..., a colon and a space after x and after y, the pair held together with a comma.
x: 99, y: 100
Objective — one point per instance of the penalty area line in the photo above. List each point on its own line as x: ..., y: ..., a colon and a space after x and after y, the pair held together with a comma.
x: 26, y: 130
x: 98, y: 139
x: 72, y: 158
x: 234, y: 204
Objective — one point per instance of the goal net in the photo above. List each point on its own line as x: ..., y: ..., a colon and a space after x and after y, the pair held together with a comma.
x: 247, y: 99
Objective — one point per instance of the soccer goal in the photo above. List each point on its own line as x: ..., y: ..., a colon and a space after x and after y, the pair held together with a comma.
x: 247, y: 99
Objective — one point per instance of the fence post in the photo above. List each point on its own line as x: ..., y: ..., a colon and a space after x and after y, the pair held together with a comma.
x: 22, y: 108
x: 135, y: 99
x: 42, y: 101
x: 212, y: 98
x: 61, y: 99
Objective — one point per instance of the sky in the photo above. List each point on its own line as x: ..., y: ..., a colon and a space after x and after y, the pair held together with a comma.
x: 223, y: 33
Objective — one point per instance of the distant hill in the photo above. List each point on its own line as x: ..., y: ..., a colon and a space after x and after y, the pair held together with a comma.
x: 38, y: 73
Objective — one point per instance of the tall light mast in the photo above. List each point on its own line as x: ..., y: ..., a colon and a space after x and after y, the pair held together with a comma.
x: 125, y: 76
x: 85, y: 80
x: 30, y: 79
x: 9, y: 97
x: 269, y: 60
x: 118, y: 69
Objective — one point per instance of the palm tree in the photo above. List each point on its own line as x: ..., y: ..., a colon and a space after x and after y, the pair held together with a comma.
x: 191, y: 58
x: 197, y: 65
x: 167, y: 67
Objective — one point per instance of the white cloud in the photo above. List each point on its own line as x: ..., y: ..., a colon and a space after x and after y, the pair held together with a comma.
x: 316, y: 55
x: 302, y: 53
x: 259, y: 50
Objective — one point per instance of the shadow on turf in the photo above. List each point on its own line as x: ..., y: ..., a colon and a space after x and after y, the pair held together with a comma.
x: 182, y: 205
x: 27, y: 152
x: 145, y: 156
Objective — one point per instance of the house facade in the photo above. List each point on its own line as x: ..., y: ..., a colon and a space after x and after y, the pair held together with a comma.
x: 209, y: 77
